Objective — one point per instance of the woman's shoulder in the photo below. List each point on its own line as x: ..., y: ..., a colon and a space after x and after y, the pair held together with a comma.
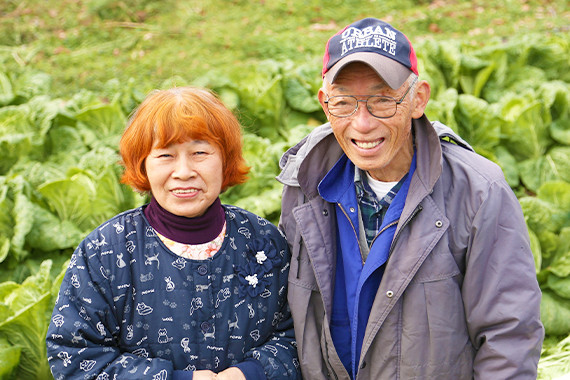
x: 238, y: 214
x: 119, y: 227
x: 247, y: 223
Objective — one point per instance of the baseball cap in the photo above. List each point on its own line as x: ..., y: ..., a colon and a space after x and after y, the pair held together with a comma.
x: 374, y: 42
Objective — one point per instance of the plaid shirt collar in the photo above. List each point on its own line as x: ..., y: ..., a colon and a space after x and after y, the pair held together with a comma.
x: 372, y: 208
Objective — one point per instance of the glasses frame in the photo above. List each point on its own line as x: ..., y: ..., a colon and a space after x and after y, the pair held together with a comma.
x: 398, y: 102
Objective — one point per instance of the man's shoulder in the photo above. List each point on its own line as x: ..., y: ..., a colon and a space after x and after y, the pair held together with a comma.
x: 470, y: 163
x: 317, y: 152
x: 445, y: 133
x: 460, y: 155
x: 306, y: 144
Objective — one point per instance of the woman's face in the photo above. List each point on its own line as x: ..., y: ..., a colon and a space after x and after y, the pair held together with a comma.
x: 185, y: 178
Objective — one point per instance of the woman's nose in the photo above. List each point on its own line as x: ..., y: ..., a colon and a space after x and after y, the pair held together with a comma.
x: 184, y: 168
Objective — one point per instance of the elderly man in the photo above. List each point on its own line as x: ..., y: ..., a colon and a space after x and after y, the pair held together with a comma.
x: 410, y: 253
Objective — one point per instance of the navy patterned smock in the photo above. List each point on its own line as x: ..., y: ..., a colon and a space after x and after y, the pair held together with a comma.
x: 129, y: 308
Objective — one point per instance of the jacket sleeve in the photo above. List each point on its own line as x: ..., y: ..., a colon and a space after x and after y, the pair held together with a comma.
x: 500, y: 290
x: 278, y: 354
x: 82, y: 335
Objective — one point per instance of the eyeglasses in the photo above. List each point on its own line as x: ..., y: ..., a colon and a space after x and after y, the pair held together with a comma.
x: 381, y: 107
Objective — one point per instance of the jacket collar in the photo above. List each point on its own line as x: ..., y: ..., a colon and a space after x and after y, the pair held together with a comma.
x: 312, y: 157
x: 429, y: 158
x: 338, y: 180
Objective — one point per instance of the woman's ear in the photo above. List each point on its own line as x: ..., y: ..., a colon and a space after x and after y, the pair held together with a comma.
x: 421, y: 98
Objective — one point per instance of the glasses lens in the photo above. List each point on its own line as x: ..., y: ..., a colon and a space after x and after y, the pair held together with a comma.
x: 381, y: 106
x: 342, y: 106
x: 378, y: 106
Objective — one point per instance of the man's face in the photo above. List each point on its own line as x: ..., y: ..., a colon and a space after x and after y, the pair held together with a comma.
x: 383, y: 147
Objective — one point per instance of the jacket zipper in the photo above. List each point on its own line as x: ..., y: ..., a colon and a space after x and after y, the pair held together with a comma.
x: 395, y: 222
x: 301, y: 199
x: 416, y: 212
x: 353, y: 230
x: 331, y: 369
x: 299, y: 257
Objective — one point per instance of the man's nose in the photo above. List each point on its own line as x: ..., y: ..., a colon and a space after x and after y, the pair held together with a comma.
x: 362, y: 118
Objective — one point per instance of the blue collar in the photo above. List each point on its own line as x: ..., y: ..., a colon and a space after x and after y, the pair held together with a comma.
x: 340, y: 179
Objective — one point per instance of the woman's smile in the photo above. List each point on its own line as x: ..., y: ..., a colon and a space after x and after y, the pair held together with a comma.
x: 185, y: 192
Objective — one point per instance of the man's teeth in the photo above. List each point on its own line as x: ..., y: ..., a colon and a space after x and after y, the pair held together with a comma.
x: 184, y: 191
x: 367, y: 145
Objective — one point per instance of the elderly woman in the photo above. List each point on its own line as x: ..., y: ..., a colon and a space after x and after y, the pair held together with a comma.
x: 184, y: 287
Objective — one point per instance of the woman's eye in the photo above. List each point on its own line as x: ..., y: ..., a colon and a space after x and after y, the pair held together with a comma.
x: 162, y: 155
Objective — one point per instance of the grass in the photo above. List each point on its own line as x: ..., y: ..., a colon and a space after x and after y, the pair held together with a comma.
x: 84, y: 43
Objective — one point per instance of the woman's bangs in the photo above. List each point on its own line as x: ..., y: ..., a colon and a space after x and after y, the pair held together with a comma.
x: 180, y: 129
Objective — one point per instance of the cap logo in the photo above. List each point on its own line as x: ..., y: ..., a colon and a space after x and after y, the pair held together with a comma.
x: 372, y: 37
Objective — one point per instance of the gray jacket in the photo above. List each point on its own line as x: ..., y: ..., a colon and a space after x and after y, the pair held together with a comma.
x: 459, y: 297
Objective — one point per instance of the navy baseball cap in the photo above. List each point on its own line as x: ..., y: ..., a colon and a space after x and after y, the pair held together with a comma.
x: 376, y: 43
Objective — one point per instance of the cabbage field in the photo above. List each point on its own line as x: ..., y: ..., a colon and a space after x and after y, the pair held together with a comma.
x: 59, y: 172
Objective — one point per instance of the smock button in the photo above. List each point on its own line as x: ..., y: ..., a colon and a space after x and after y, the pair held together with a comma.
x: 202, y: 270
x: 389, y: 294
x: 363, y: 365
x: 325, y: 213
x: 205, y: 326
x: 352, y: 209
x: 439, y: 224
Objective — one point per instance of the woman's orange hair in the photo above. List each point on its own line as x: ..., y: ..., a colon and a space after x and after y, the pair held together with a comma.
x: 174, y: 116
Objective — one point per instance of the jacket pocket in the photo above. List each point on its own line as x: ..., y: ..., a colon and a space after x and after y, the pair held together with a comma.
x: 301, y: 272
x: 435, y: 339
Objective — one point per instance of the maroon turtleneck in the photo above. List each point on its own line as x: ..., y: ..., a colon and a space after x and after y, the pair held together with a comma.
x: 181, y: 229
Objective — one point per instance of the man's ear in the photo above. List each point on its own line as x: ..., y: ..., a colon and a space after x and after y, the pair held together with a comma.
x: 421, y: 98
x: 322, y: 97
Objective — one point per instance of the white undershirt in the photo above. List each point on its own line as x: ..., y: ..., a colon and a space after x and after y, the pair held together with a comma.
x: 380, y: 188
